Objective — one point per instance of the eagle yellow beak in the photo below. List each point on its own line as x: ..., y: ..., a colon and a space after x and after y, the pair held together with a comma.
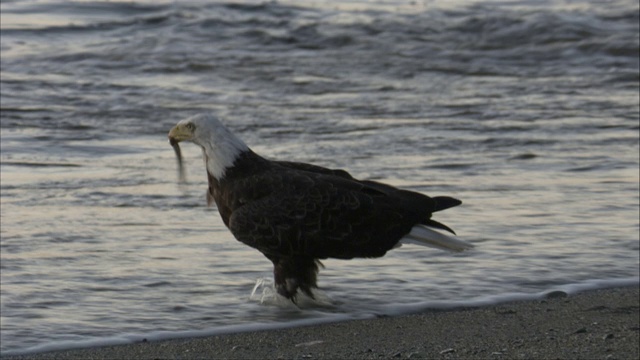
x: 179, y: 133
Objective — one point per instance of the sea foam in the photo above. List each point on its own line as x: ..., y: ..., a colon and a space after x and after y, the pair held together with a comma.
x: 265, y: 294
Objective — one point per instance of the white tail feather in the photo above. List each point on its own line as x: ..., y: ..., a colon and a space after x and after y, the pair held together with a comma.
x: 426, y: 236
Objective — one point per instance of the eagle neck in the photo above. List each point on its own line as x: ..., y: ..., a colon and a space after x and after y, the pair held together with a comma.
x: 241, y: 164
x: 220, y: 154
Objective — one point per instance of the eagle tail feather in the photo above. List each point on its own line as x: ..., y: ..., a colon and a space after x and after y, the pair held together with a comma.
x: 438, y: 225
x: 445, y: 202
x: 426, y: 236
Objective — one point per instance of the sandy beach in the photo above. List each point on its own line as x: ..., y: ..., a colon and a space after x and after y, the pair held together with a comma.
x: 602, y: 324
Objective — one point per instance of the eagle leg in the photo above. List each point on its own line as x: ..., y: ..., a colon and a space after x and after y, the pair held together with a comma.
x: 291, y: 274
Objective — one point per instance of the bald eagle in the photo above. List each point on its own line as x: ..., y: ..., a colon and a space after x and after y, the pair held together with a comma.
x: 297, y: 214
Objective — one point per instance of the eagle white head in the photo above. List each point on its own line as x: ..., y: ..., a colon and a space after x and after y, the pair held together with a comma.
x: 220, y: 146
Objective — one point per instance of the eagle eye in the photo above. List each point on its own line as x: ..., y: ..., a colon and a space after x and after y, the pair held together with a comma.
x: 191, y: 126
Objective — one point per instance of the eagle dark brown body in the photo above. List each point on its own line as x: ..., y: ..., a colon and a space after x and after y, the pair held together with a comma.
x: 296, y: 214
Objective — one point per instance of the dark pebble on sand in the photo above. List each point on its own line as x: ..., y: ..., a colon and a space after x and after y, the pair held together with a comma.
x: 556, y: 294
x: 581, y: 331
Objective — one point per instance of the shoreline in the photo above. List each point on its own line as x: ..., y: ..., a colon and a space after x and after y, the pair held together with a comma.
x: 592, y: 324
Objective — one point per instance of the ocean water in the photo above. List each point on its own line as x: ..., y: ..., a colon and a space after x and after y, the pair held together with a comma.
x: 526, y: 111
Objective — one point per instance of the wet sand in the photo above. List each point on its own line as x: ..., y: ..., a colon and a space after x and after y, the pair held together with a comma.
x: 602, y: 324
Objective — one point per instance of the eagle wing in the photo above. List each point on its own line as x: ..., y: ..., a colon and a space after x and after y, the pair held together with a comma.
x: 314, y: 168
x: 309, y: 213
